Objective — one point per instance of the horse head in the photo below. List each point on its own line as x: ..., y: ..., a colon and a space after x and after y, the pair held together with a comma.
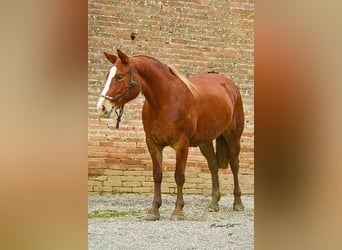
x: 120, y: 86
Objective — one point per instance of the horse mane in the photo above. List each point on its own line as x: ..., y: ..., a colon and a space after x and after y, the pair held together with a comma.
x: 192, y: 88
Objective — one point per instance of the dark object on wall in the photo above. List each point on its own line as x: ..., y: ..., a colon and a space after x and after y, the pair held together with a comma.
x: 133, y: 35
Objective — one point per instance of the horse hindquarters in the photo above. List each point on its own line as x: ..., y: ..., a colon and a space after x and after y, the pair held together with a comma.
x: 228, y: 142
x: 232, y: 135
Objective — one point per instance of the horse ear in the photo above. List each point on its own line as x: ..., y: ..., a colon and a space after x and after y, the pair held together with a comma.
x: 124, y: 58
x: 110, y: 57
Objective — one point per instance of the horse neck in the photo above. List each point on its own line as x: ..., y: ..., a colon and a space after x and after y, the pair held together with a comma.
x: 157, y: 81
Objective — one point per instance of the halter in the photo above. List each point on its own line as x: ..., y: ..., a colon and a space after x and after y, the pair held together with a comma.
x: 131, y: 85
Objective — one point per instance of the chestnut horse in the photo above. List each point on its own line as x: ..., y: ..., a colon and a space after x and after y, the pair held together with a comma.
x: 180, y: 113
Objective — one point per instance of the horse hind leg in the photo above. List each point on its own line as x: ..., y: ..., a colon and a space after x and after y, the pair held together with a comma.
x: 233, y: 142
x: 208, y: 151
x: 237, y: 206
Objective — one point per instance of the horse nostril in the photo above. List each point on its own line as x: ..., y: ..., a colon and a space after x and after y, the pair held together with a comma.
x: 103, y: 108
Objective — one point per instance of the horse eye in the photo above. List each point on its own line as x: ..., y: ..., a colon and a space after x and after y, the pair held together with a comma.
x: 120, y: 78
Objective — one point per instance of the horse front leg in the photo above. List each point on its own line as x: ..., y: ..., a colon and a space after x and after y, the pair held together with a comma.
x: 157, y: 156
x: 181, y: 157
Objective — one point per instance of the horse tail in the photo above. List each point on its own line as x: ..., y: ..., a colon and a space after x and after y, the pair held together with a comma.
x: 222, y: 152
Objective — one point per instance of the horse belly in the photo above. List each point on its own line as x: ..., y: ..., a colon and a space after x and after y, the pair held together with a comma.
x: 209, y: 129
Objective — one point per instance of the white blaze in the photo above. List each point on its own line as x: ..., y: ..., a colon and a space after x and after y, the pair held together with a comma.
x: 106, y: 88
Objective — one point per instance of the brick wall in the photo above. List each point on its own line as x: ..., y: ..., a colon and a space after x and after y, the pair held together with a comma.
x: 196, y: 36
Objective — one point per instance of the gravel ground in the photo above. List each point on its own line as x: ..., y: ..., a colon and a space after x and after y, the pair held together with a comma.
x: 226, y: 229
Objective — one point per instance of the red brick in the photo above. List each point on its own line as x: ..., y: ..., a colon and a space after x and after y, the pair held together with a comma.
x: 195, y: 37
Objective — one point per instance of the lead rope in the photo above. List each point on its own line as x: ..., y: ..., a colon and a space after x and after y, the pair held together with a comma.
x: 119, y: 115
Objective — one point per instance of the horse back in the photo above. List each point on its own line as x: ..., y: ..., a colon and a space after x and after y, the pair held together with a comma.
x: 216, y: 91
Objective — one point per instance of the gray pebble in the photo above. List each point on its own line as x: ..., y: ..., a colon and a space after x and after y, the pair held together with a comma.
x: 225, y: 229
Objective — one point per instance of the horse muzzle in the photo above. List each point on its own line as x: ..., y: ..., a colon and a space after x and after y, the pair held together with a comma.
x: 106, y: 112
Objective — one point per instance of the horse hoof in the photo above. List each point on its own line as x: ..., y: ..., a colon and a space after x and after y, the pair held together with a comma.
x: 238, y: 207
x: 152, y: 216
x: 213, y: 208
x: 176, y: 217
